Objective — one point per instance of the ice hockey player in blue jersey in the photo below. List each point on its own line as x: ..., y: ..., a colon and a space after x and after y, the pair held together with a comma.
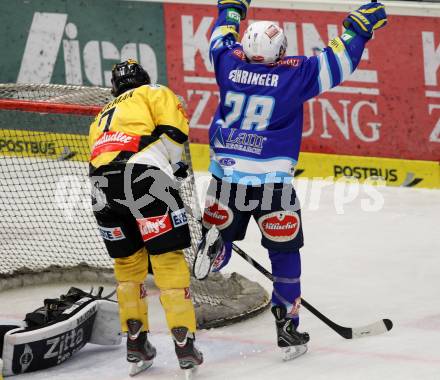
x: 255, y: 139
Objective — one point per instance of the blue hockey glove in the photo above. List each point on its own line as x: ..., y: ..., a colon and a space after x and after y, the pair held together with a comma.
x: 180, y: 169
x: 366, y: 19
x: 241, y: 5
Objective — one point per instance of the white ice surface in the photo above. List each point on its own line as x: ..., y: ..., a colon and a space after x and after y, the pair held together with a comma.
x: 358, y: 267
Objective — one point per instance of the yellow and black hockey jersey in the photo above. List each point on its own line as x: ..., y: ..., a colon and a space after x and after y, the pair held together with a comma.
x: 146, y: 125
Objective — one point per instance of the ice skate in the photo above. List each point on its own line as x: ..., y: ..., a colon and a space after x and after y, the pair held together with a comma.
x: 188, y: 355
x: 140, y: 352
x: 210, y: 247
x: 292, y: 343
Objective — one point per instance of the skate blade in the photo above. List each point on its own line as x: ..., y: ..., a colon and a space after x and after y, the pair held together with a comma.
x: 293, y: 352
x: 139, y: 367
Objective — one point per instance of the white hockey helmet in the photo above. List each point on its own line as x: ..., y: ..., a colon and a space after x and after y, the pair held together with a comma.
x: 264, y: 42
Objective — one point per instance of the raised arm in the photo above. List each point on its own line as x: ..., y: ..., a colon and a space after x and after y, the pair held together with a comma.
x: 225, y: 32
x: 343, y: 54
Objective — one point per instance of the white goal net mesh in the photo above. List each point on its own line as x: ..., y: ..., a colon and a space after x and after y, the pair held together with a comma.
x: 47, y: 229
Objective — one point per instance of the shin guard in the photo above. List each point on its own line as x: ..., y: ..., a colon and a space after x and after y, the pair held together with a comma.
x: 286, y: 270
x: 171, y: 276
x: 130, y: 272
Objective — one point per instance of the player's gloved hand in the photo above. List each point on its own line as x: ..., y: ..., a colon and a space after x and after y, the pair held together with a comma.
x: 366, y: 19
x: 180, y: 169
x: 222, y: 258
x: 241, y: 5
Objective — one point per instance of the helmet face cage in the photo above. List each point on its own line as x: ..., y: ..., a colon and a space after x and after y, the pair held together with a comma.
x: 264, y: 42
x: 127, y: 75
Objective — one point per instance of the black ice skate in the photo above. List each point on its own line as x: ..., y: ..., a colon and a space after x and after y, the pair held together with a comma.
x: 188, y: 355
x: 140, y: 352
x: 292, y: 343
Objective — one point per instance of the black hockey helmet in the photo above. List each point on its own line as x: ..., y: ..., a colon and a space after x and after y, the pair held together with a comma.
x: 127, y: 75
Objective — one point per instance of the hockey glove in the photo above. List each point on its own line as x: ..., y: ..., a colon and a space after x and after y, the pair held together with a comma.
x: 180, y: 169
x: 366, y: 19
x: 241, y: 5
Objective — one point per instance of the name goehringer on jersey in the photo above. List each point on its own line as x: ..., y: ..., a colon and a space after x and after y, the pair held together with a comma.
x: 249, y: 77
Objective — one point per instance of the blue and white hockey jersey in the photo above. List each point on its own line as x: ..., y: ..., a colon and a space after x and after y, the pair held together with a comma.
x: 257, y: 128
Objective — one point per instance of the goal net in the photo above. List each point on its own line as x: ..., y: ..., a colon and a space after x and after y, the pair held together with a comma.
x: 47, y: 229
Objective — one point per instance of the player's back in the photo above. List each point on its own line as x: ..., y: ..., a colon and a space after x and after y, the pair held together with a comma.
x: 127, y: 127
x: 260, y: 114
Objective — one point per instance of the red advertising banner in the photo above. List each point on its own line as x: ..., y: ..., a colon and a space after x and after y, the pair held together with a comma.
x: 390, y: 107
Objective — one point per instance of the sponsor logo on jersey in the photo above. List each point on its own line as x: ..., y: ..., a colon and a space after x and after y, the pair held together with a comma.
x: 179, y: 218
x: 154, y: 226
x: 293, y: 62
x: 245, y: 142
x: 217, y: 215
x: 114, y: 142
x: 252, y: 78
x: 280, y: 226
x: 112, y: 233
x: 226, y: 161
x: 238, y: 140
x: 240, y: 54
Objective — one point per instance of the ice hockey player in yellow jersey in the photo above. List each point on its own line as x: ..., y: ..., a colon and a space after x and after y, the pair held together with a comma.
x: 136, y: 144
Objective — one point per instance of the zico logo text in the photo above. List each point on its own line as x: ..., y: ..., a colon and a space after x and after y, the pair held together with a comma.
x: 83, y: 60
x: 389, y: 175
x: 34, y: 147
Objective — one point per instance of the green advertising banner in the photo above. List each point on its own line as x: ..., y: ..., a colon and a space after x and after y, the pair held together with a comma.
x: 77, y: 42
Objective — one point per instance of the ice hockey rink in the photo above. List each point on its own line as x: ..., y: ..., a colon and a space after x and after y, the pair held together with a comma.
x: 358, y: 266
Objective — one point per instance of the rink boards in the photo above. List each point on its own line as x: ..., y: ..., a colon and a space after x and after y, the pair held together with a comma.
x: 392, y: 172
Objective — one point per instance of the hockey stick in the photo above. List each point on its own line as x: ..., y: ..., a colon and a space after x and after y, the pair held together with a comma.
x: 375, y: 328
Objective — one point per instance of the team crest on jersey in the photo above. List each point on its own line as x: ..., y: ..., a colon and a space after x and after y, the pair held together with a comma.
x: 280, y: 226
x: 154, y: 226
x: 217, y: 215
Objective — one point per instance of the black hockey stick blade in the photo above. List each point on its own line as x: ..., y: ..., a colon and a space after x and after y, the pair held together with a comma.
x: 375, y: 328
